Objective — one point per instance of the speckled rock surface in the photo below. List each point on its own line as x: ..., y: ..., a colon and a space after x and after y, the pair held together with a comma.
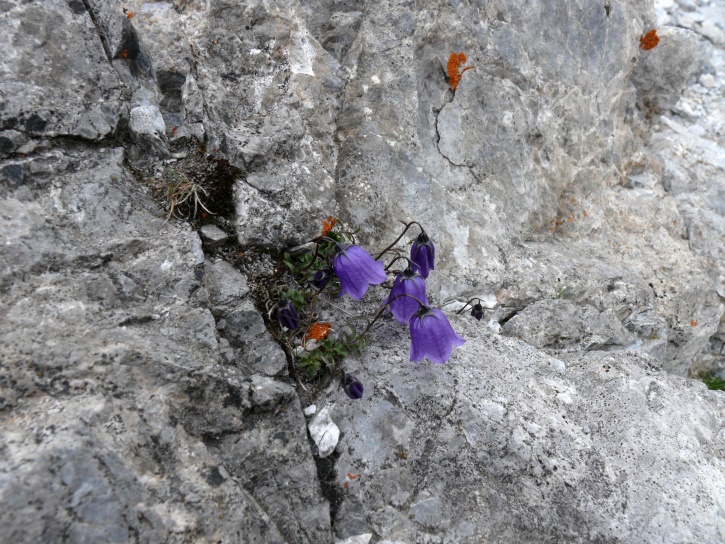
x: 572, y: 181
x: 506, y: 444
x: 116, y: 400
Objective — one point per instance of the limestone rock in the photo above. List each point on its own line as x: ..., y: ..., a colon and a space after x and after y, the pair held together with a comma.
x: 56, y: 79
x: 324, y: 432
x: 213, y: 236
x: 504, y: 443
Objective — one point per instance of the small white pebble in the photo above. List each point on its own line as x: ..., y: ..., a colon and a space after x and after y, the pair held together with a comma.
x: 310, y: 410
x: 707, y: 80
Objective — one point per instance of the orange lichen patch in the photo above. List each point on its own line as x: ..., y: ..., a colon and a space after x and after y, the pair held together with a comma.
x: 352, y: 476
x: 328, y: 224
x: 173, y: 131
x: 649, y: 40
x: 318, y: 331
x: 584, y: 213
x: 345, y: 484
x: 456, y: 69
x: 124, y: 54
x: 130, y: 15
x: 693, y: 323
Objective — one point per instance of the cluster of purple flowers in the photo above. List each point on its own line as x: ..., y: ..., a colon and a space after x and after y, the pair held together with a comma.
x: 431, y: 334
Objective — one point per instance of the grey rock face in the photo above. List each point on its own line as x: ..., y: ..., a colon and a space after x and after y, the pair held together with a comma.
x: 56, y: 79
x: 115, y: 401
x: 571, y: 181
x: 561, y: 324
x: 505, y: 444
x: 690, y: 150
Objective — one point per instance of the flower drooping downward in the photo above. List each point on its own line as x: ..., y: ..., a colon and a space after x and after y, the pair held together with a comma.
x: 287, y: 314
x: 477, y: 311
x: 408, y: 284
x: 352, y: 386
x: 423, y: 254
x: 432, y: 336
x: 357, y: 270
x: 322, y: 277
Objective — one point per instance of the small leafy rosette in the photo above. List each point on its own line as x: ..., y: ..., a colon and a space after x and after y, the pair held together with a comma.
x: 356, y: 270
x: 408, y: 287
x: 432, y: 336
x: 423, y: 254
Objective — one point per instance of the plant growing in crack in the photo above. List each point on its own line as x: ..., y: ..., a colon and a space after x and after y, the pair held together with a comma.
x: 336, y: 266
x: 182, y: 193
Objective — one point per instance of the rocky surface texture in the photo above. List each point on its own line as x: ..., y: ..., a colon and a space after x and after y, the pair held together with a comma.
x: 572, y: 181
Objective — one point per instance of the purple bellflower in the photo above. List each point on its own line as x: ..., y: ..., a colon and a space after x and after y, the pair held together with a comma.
x: 409, y: 283
x: 357, y: 270
x: 352, y: 386
x: 477, y: 311
x: 432, y: 336
x: 287, y: 315
x: 322, y: 278
x: 423, y: 254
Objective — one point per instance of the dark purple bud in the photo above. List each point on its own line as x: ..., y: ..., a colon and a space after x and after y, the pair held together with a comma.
x: 477, y: 311
x: 408, y: 284
x: 423, y: 254
x: 432, y: 336
x: 352, y: 386
x: 357, y: 270
x: 322, y: 277
x: 287, y: 314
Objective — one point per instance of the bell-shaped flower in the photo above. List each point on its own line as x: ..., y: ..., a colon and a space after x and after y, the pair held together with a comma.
x: 322, y: 278
x: 477, y: 311
x: 357, y: 270
x: 287, y: 314
x: 432, y: 336
x: 408, y: 287
x: 352, y: 386
x: 423, y: 254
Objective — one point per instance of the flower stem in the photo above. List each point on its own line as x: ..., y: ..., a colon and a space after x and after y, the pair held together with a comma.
x: 467, y: 303
x: 396, y: 258
x: 381, y: 310
x: 407, y: 226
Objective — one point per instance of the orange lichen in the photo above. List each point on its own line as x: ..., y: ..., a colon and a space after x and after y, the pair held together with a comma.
x: 693, y: 323
x: 456, y: 69
x: 328, y: 224
x: 649, y: 40
x: 352, y: 476
x: 345, y: 484
x: 124, y: 54
x: 318, y: 331
x: 130, y: 15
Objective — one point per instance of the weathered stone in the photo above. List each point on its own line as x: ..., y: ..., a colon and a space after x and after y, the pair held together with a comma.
x: 571, y: 181
x: 212, y: 236
x: 56, y: 79
x: 115, y: 400
x: 503, y: 443
x: 662, y: 72
x: 324, y: 432
x: 559, y: 324
x: 147, y: 128
x: 226, y: 285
